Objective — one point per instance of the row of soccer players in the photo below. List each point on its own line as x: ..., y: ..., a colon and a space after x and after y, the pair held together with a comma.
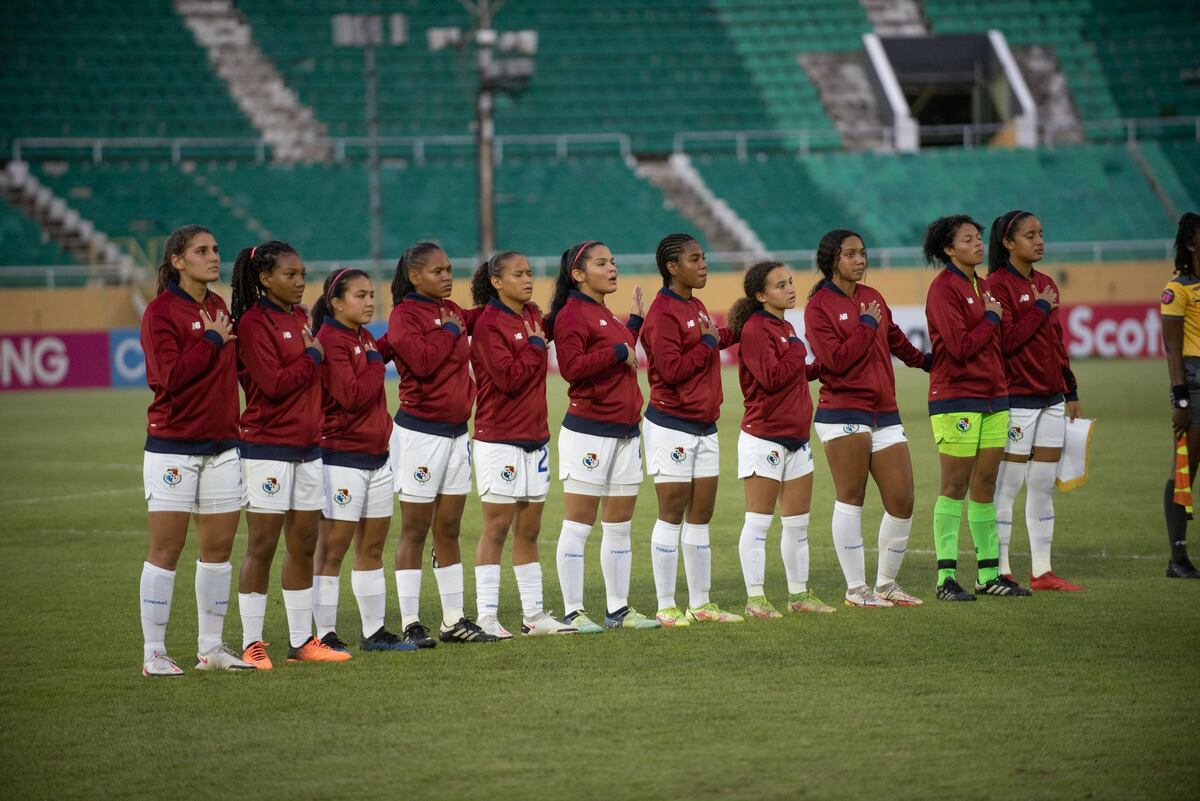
x: 316, y: 455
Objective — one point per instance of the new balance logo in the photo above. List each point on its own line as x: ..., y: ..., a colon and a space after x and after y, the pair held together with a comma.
x: 519, y: 337
x: 604, y: 322
x: 691, y: 323
x: 843, y: 316
x: 287, y: 334
x: 1024, y: 299
x: 196, y: 325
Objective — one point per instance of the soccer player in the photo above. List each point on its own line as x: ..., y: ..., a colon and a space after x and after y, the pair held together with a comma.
x: 1042, y: 391
x: 431, y: 452
x: 851, y: 331
x: 684, y: 368
x: 279, y: 369
x: 968, y: 404
x: 774, y: 457
x: 355, y: 432
x: 599, y: 445
x: 512, y: 437
x: 1180, y: 312
x: 191, y: 464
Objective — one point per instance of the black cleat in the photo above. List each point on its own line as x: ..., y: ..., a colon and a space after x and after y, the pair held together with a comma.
x: 465, y: 630
x: 331, y: 640
x: 1184, y: 568
x: 384, y: 640
x: 418, y: 635
x: 1002, y: 585
x: 951, y: 590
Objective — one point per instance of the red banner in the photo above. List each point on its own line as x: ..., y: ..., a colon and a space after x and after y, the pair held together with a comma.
x: 1112, y: 331
x: 54, y: 361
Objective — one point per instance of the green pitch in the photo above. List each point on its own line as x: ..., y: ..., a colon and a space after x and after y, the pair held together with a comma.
x: 1092, y: 695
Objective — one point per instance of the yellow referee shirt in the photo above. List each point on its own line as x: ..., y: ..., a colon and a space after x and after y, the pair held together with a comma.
x: 1181, y: 301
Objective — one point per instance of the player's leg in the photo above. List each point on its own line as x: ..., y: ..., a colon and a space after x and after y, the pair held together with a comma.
x: 981, y: 509
x: 1042, y: 470
x: 957, y: 438
x: 1022, y: 428
x: 218, y: 508
x: 848, y: 452
x: 616, y: 552
x: 891, y: 467
x: 170, y: 482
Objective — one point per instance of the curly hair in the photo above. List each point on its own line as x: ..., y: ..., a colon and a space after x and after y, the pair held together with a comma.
x: 940, y: 235
x: 754, y: 282
x: 481, y: 283
x: 1189, y: 224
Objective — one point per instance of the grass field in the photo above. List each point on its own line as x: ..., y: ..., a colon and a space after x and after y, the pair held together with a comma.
x: 1090, y: 695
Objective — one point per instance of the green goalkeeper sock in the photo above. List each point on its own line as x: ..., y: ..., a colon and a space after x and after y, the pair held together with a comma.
x: 947, y: 517
x: 981, y: 517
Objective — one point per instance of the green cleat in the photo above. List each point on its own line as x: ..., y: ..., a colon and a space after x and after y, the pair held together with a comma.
x: 759, y: 606
x: 711, y: 613
x: 629, y: 618
x: 672, y: 617
x: 807, y: 601
x: 582, y: 623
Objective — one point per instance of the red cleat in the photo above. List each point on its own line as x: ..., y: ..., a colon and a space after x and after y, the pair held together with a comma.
x: 1049, y: 581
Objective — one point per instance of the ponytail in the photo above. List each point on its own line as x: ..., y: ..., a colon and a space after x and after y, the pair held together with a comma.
x: 754, y: 282
x: 334, y: 287
x: 1002, y: 228
x: 572, y: 257
x: 481, y: 283
x: 175, y: 245
x: 249, y: 264
x: 412, y: 259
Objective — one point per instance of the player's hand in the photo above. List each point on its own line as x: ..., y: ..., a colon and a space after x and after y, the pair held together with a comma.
x: 370, y: 345
x: 1074, y: 410
x: 449, y: 316
x: 534, y: 330
x: 871, y: 310
x: 990, y: 304
x: 638, y: 307
x: 312, y: 342
x: 1048, y: 294
x: 221, y: 325
x: 631, y: 357
x: 708, y: 329
x: 1180, y: 420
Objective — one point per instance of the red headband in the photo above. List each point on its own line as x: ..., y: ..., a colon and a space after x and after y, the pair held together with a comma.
x: 581, y: 250
x: 1016, y: 216
x: 333, y: 283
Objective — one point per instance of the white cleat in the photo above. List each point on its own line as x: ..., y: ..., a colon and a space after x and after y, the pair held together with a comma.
x: 894, y: 593
x: 492, y: 626
x: 221, y: 658
x: 542, y: 623
x: 159, y: 665
x: 864, y: 598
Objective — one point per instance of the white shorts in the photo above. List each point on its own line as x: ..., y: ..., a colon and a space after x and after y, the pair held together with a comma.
x: 426, y: 465
x: 354, y: 493
x: 589, y: 464
x: 881, y: 436
x: 203, y: 485
x: 673, y: 456
x: 1041, y: 428
x: 275, y: 487
x: 767, y: 459
x: 507, y: 474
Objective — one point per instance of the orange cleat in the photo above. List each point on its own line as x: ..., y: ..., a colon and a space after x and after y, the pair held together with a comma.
x: 1049, y: 581
x: 316, y: 651
x: 256, y: 654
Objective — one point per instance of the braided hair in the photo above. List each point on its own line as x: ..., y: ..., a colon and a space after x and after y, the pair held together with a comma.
x: 481, y: 283
x: 175, y: 245
x: 754, y: 282
x: 828, y: 251
x: 412, y: 259
x: 940, y: 235
x: 572, y: 257
x: 334, y: 287
x: 1185, y: 256
x: 247, y: 267
x: 668, y: 250
x: 1002, y: 228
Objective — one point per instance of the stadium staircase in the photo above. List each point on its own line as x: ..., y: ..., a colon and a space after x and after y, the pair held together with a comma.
x: 895, y: 17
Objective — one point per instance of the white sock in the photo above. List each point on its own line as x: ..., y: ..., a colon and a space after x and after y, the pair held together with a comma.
x: 1039, y: 513
x: 157, y: 588
x: 697, y: 563
x: 325, y: 603
x: 252, y: 606
x: 450, y: 586
x: 487, y: 589
x: 370, y: 590
x: 848, y: 542
x: 616, y: 562
x: 408, y: 588
x: 664, y: 558
x: 298, y: 604
x: 529, y: 586
x: 1008, y: 484
x: 213, y: 580
x: 893, y: 542
x: 752, y: 547
x: 794, y: 547
x: 572, y: 542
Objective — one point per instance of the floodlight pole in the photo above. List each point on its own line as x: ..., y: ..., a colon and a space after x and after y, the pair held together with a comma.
x: 485, y: 134
x: 374, y: 201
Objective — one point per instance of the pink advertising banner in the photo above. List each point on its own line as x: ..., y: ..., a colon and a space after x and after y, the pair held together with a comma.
x: 54, y: 361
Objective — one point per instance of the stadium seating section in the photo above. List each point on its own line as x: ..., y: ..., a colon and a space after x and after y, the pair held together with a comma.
x: 21, y: 240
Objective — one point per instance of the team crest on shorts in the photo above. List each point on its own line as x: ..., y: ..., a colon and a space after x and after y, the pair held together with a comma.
x: 963, y: 425
x: 679, y: 455
x: 591, y: 461
x: 271, y: 485
x: 509, y: 473
x: 172, y: 476
x: 342, y: 497
x: 1016, y: 434
x: 421, y: 474
x: 850, y: 428
x: 773, y: 458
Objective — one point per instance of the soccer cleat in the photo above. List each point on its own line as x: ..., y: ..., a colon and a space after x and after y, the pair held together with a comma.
x: 1002, y: 587
x: 221, y: 658
x: 1008, y: 576
x: 1049, y: 581
x: 895, y: 593
x: 159, y: 665
x: 418, y: 635
x: 256, y: 655
x: 580, y: 621
x: 629, y: 618
x: 864, y: 598
x: 542, y: 624
x: 465, y: 630
x: 759, y: 606
x: 951, y: 590
x: 1182, y: 569
x: 384, y: 640
x: 331, y: 640
x: 711, y: 613
x: 808, y: 601
x: 491, y: 625
x: 672, y: 617
x: 316, y: 651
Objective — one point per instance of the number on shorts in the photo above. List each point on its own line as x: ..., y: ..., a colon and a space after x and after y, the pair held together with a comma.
x: 543, y: 463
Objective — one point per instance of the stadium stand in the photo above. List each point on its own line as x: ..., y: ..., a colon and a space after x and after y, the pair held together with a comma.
x: 22, y: 242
